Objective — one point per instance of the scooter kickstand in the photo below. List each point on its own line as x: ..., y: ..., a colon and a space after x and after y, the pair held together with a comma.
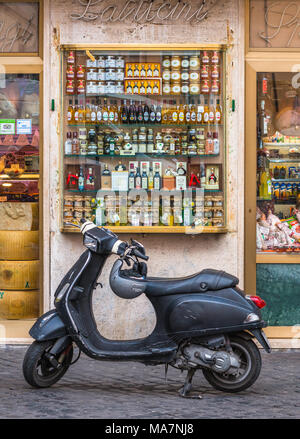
x: 183, y: 392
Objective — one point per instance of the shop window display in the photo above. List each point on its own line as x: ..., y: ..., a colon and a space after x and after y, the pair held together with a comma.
x: 137, y: 125
x: 19, y: 196
x: 278, y: 163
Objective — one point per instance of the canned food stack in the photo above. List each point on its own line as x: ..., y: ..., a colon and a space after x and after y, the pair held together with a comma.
x: 182, y: 74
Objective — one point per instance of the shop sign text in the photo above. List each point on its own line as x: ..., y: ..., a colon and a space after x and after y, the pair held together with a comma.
x: 144, y: 11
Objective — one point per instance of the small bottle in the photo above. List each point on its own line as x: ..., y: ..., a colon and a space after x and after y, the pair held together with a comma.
x: 218, y: 114
x: 81, y: 114
x: 188, y: 114
x: 99, y: 113
x: 143, y: 72
x: 136, y: 72
x: 124, y: 113
x: 152, y: 115
x: 216, y: 143
x: 146, y: 114
x: 140, y: 113
x: 157, y: 180
x: 158, y: 114
x: 149, y: 71
x: 209, y: 144
x: 150, y: 179
x: 68, y: 144
x: 75, y: 144
x: 70, y: 112
x: 76, y: 112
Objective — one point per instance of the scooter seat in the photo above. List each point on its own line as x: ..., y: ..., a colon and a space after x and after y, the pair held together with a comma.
x: 206, y: 280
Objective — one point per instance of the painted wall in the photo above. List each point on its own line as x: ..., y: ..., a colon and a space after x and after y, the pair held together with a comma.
x: 116, y: 317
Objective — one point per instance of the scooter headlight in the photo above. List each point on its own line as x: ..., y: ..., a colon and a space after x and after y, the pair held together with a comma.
x: 90, y: 243
x: 252, y: 317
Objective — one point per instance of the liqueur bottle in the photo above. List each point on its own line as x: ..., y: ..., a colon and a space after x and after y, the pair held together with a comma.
x: 99, y: 113
x: 144, y: 179
x: 158, y: 114
x: 124, y: 113
x: 90, y: 180
x: 140, y: 113
x: 105, y: 110
x: 152, y: 115
x: 138, y: 179
x: 132, y: 113
x: 70, y: 112
x: 81, y: 179
x: 131, y: 177
x: 146, y: 115
x: 150, y: 179
x: 157, y: 180
x: 218, y: 114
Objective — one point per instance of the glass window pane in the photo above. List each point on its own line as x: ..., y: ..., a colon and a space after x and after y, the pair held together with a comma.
x: 278, y: 163
x: 19, y: 196
x: 19, y: 27
x: 137, y: 125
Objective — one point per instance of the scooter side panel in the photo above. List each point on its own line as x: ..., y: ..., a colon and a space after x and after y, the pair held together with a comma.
x: 209, y: 311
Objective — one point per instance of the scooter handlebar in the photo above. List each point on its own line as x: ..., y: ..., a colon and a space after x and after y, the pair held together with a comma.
x: 139, y: 254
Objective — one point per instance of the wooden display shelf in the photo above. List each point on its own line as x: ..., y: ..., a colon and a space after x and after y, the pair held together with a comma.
x: 188, y: 230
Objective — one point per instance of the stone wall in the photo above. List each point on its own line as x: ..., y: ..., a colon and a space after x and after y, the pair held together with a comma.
x: 116, y: 317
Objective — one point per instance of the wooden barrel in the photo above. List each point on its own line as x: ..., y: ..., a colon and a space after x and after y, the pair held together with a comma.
x: 19, y: 216
x: 19, y: 275
x: 19, y: 245
x: 15, y: 305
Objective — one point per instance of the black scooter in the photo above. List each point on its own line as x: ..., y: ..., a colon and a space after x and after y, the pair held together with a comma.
x: 204, y: 321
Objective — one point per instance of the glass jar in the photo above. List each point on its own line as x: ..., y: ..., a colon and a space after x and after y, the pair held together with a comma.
x: 101, y: 87
x: 120, y: 63
x: 185, y: 62
x: 119, y: 87
x: 101, y: 74
x: 194, y: 76
x: 175, y: 75
x: 92, y: 88
x: 110, y: 62
x: 110, y: 87
x: 166, y: 62
x: 110, y: 74
x: 176, y: 88
x: 119, y: 74
x: 68, y: 202
x: 194, y: 62
x: 175, y: 62
x: 78, y: 202
x: 91, y: 74
x: 185, y: 87
x: 166, y: 88
x: 185, y: 75
x: 195, y: 88
x: 101, y: 62
x: 166, y: 76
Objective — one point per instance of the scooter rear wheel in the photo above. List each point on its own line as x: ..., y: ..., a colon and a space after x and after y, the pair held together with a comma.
x: 38, y: 371
x: 248, y: 373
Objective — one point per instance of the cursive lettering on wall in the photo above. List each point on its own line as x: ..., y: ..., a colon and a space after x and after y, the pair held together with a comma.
x: 13, y: 32
x: 144, y: 11
x: 281, y: 17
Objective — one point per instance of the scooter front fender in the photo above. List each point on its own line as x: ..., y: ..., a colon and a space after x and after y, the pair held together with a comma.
x: 48, y: 327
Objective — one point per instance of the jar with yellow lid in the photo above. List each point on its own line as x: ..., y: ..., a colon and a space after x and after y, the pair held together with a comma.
x: 166, y: 88
x: 195, y: 88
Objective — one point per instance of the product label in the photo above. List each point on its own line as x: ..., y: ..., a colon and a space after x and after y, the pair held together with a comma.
x: 105, y: 116
x: 181, y: 116
x: 174, y: 116
x: 218, y: 116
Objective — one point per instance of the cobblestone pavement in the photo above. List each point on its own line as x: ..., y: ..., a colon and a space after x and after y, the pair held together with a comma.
x: 93, y: 389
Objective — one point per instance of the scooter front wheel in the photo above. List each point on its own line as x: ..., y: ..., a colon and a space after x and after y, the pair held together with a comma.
x: 247, y: 373
x: 37, y: 369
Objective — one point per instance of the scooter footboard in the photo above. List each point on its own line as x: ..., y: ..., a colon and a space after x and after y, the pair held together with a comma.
x: 48, y: 327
